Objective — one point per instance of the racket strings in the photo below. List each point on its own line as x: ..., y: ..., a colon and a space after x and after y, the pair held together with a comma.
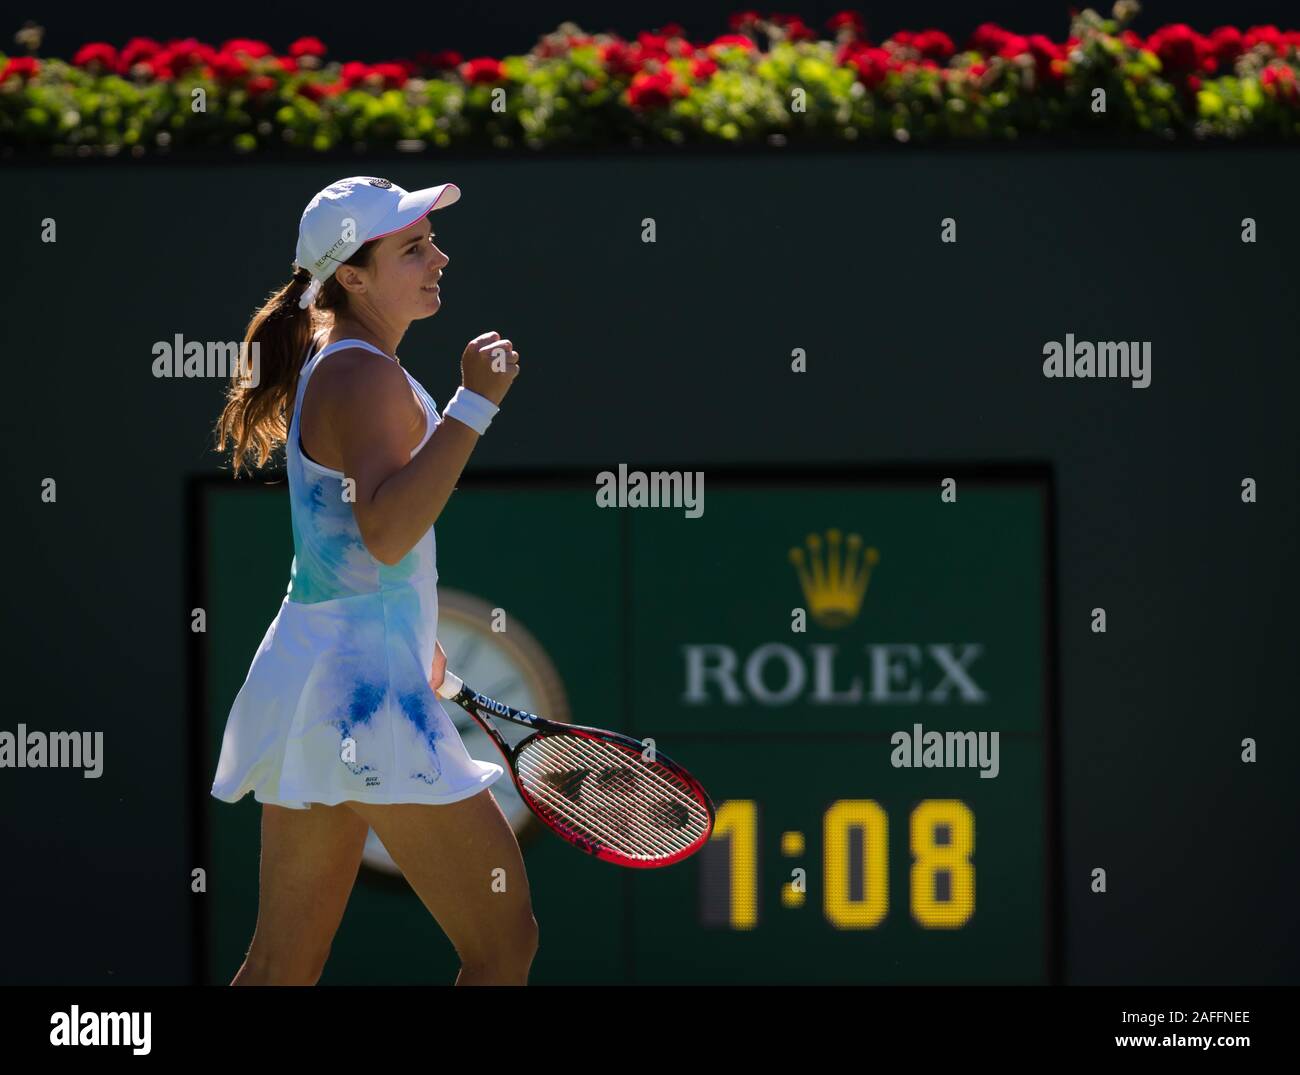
x: 609, y: 826
x: 621, y: 778
x: 559, y: 791
x: 616, y: 823
x: 609, y: 792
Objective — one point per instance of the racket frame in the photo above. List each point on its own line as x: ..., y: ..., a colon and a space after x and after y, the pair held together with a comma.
x: 483, y: 707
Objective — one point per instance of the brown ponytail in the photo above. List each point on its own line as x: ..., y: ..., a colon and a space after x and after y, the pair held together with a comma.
x: 254, y: 417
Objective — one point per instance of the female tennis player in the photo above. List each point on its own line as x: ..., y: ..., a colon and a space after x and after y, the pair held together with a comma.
x: 337, y: 727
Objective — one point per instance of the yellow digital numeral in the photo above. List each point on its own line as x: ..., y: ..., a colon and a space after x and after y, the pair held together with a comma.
x: 843, y: 910
x: 952, y: 857
x: 737, y: 820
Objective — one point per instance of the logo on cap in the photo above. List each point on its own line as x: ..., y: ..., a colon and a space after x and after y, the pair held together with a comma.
x: 384, y: 183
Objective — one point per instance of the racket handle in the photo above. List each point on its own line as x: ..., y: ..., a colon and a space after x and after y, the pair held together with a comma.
x: 450, y: 686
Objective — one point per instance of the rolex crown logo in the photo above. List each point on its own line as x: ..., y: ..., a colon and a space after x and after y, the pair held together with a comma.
x: 835, y: 580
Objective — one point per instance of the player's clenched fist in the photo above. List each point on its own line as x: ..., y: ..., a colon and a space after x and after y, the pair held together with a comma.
x: 489, y: 366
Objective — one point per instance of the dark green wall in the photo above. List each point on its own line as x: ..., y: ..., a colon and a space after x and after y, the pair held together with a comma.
x: 679, y: 353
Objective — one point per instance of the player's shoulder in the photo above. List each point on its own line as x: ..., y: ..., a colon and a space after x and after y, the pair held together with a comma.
x: 358, y: 373
x: 361, y: 392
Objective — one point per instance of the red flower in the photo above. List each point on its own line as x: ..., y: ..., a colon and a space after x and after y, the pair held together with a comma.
x: 847, y: 51
x: 182, y: 55
x: 1226, y: 44
x: 798, y: 30
x: 1180, y: 48
x: 20, y: 67
x: 1049, y: 57
x: 795, y: 28
x: 227, y: 68
x: 651, y: 91
x: 98, y: 53
x: 1279, y: 81
x: 730, y: 41
x: 287, y: 64
x: 651, y: 47
x: 1013, y: 45
x: 977, y: 70
x: 989, y: 38
x: 254, y: 50
x: 934, y: 44
x: 672, y: 30
x: 618, y: 59
x: 439, y: 61
x: 873, y: 65
x: 1194, y: 83
x: 849, y: 21
x: 307, y: 46
x: 1044, y: 48
x: 137, y: 49
x: 159, y: 67
x: 483, y: 70
x: 353, y: 72
x: 1266, y: 35
x: 259, y: 85
x: 316, y: 91
x: 703, y: 69
x: 1131, y: 39
x: 393, y: 74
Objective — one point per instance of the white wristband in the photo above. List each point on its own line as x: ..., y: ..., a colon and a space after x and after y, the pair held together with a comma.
x: 474, y: 410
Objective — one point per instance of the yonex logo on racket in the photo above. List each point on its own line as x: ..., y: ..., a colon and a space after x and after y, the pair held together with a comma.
x: 597, y: 789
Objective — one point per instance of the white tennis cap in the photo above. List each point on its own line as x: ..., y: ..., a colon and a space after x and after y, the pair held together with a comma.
x: 349, y: 213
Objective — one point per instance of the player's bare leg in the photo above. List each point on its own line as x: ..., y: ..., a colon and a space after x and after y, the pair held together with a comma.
x: 310, y: 860
x: 464, y: 863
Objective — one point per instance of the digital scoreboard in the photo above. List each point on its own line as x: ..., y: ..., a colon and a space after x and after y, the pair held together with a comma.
x: 858, y: 668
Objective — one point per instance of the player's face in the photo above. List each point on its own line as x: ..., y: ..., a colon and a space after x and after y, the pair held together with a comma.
x: 411, y: 266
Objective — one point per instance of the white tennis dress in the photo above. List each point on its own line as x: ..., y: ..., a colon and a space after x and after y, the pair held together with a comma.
x: 337, y: 703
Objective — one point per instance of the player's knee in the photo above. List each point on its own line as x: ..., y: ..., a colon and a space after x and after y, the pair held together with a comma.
x: 518, y: 940
x: 284, y: 967
x: 513, y: 944
x: 530, y: 934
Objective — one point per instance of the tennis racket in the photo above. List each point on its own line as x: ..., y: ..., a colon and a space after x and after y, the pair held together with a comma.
x: 596, y: 789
